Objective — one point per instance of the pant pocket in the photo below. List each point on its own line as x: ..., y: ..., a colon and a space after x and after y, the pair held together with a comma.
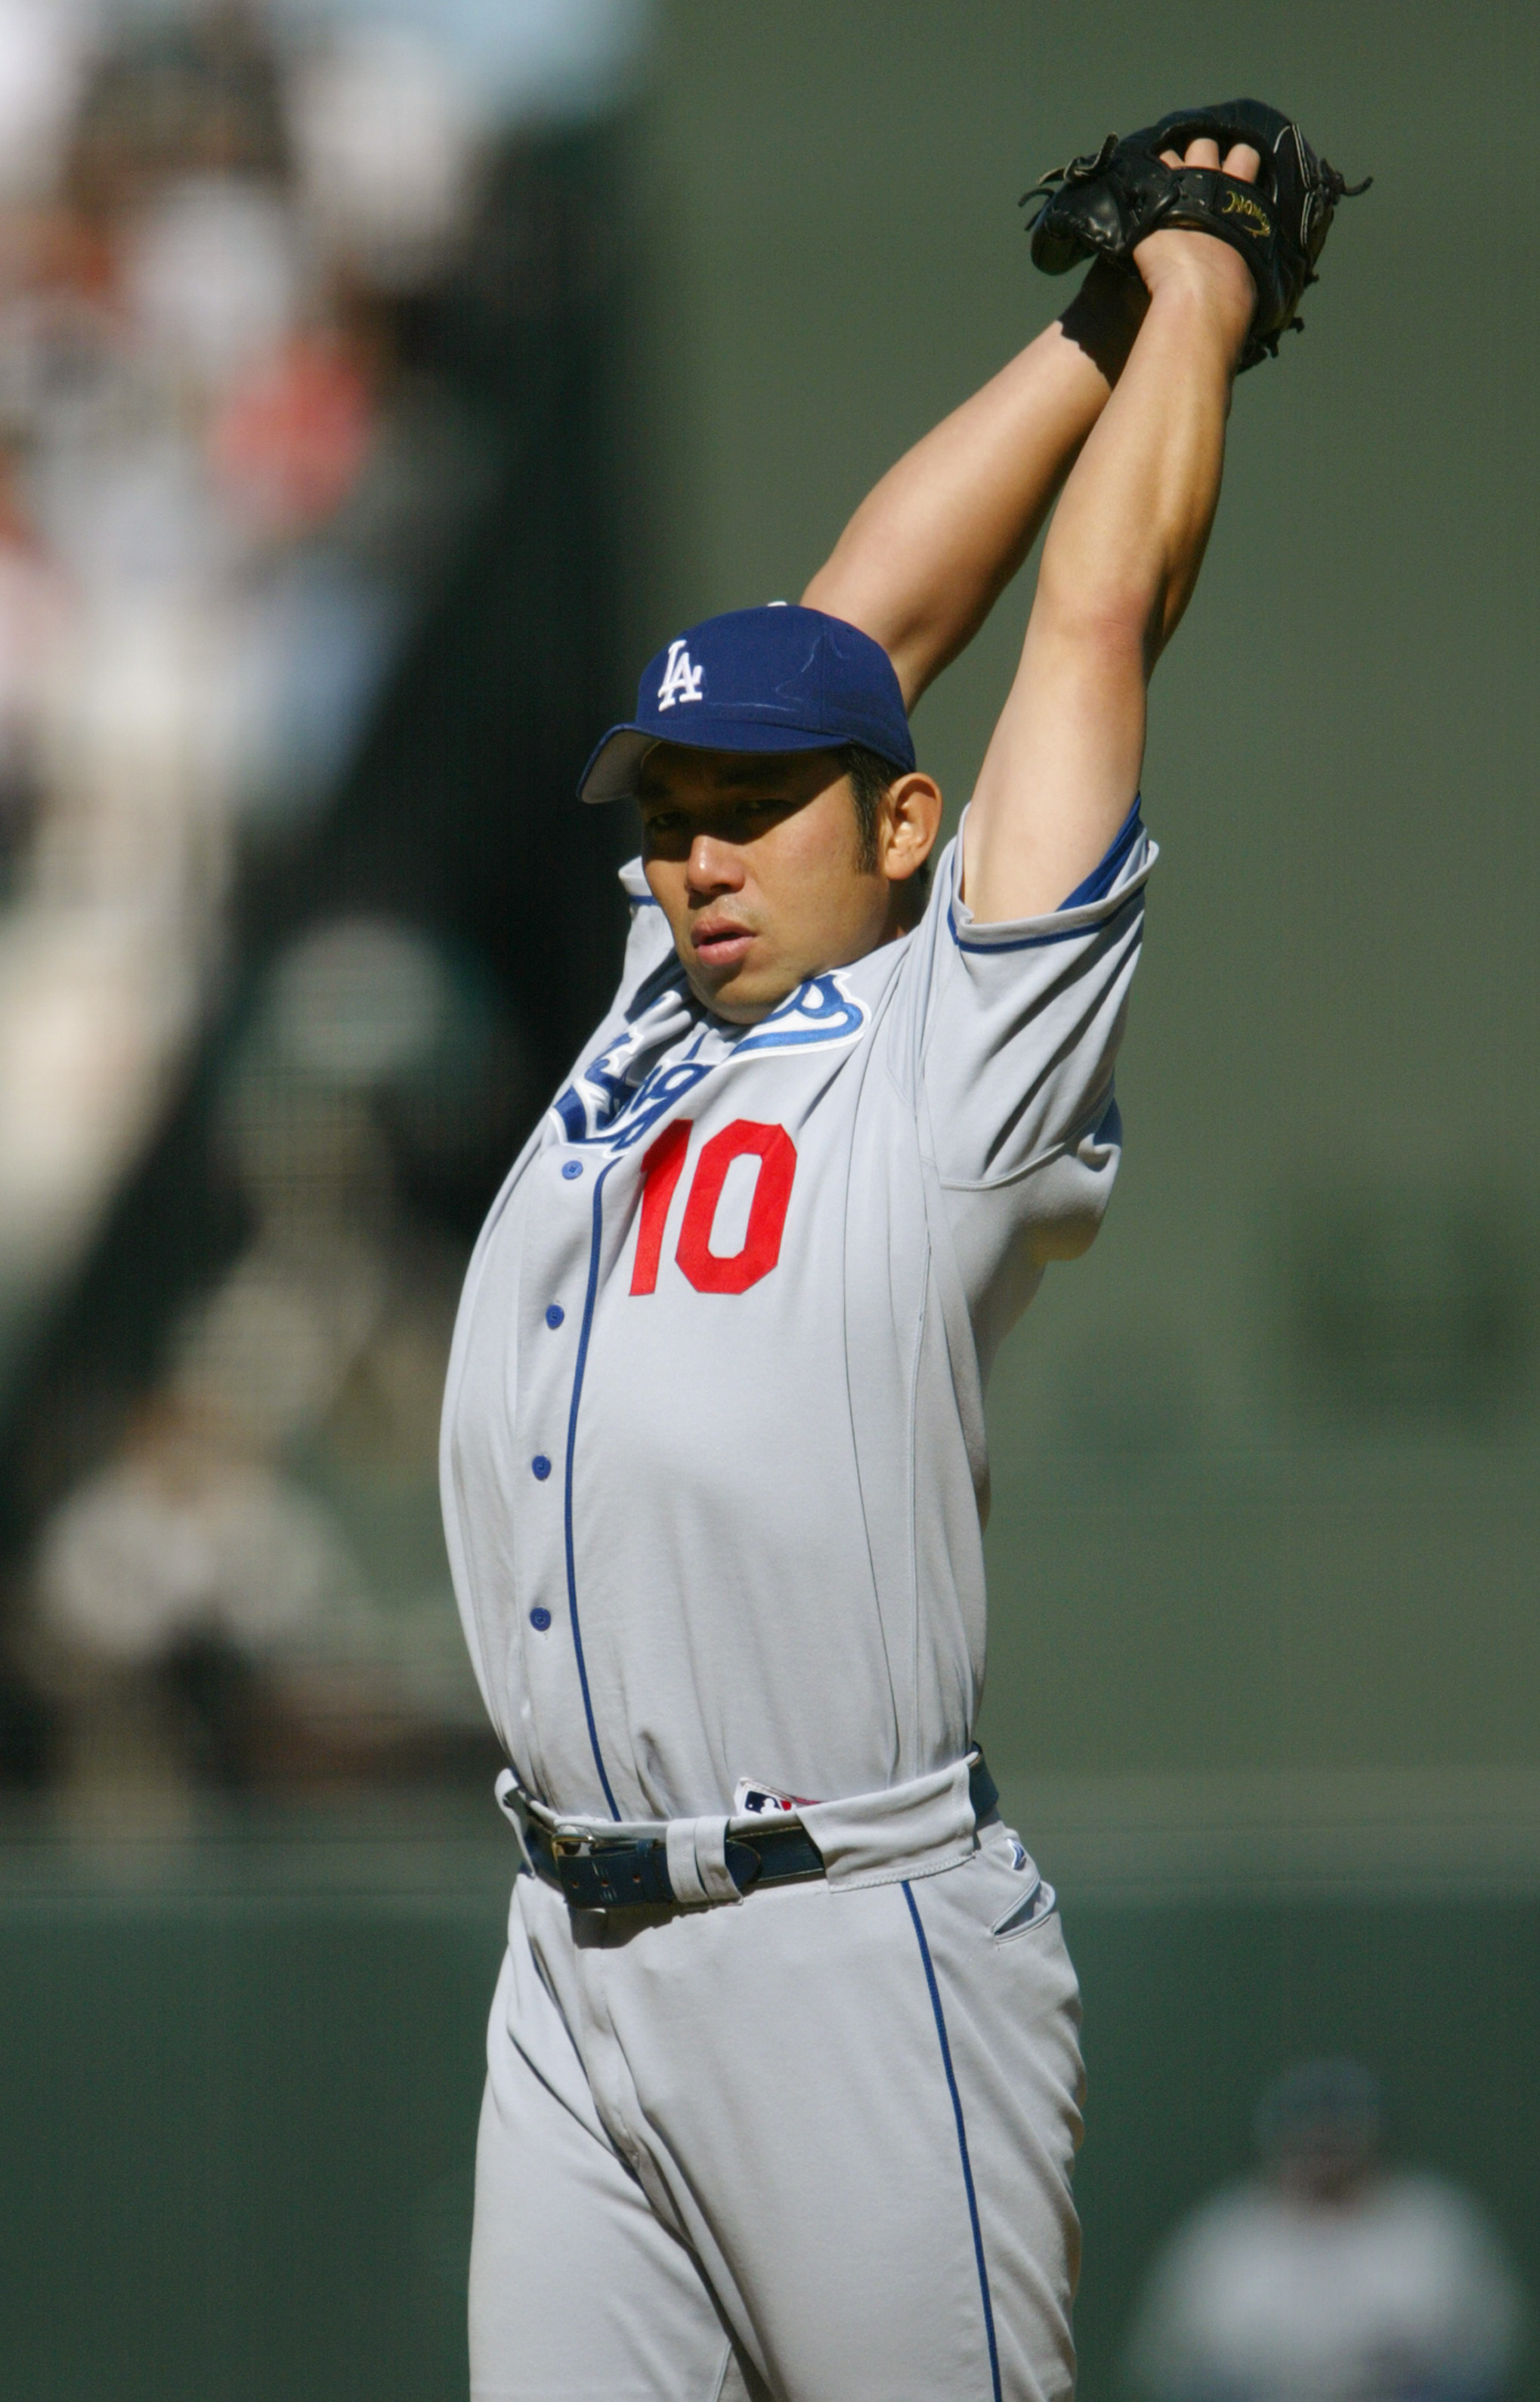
x: 1034, y: 1900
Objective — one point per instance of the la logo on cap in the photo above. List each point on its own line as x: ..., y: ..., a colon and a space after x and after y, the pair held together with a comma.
x: 681, y: 681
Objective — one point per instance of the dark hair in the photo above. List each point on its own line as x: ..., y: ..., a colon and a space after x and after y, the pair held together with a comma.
x: 870, y: 776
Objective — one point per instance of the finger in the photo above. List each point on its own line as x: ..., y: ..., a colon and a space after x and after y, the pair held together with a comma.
x: 1202, y: 153
x: 1171, y: 158
x: 1244, y: 164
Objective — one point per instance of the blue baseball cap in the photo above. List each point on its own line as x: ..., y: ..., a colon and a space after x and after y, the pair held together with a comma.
x: 781, y: 678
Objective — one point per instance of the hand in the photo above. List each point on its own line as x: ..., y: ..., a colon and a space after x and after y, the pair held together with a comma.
x: 1198, y: 263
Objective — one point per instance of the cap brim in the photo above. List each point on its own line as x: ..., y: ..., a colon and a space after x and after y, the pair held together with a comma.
x: 611, y: 774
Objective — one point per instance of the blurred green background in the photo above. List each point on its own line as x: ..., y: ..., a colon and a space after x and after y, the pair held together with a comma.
x: 1264, y: 1644
x: 1242, y: 1518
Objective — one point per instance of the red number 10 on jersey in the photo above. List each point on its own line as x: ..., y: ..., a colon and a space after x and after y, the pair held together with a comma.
x: 661, y: 1168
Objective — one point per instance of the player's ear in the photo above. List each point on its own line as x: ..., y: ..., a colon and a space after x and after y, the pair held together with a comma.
x: 911, y: 820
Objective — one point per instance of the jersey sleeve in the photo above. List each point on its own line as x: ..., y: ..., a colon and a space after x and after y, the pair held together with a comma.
x: 1015, y: 1030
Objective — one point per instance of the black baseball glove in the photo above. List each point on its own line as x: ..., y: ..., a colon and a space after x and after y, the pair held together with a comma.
x: 1107, y: 202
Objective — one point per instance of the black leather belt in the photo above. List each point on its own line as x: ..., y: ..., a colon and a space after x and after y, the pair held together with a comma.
x: 596, y: 1872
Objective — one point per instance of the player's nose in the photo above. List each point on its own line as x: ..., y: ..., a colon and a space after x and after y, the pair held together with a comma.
x: 714, y: 866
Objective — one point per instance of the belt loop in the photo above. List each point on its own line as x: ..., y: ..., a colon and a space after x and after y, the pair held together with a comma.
x: 712, y: 1861
x: 697, y: 1861
x: 683, y: 1875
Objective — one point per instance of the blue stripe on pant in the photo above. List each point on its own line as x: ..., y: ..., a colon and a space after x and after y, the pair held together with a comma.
x: 962, y: 2140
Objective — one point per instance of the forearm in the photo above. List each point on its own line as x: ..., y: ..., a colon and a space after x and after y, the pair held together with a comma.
x: 1119, y: 568
x: 927, y: 555
x: 1128, y: 540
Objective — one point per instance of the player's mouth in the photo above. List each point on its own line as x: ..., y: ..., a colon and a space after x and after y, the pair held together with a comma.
x: 718, y: 943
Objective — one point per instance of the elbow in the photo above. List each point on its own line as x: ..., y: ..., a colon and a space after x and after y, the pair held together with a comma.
x: 1108, y: 629
x: 1110, y: 618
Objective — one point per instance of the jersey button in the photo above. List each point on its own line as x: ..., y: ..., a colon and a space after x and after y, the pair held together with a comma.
x: 541, y: 1465
x: 571, y: 1167
x: 539, y: 1620
x: 555, y: 1315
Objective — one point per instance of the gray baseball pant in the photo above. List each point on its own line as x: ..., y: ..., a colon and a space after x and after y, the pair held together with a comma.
x: 816, y: 2145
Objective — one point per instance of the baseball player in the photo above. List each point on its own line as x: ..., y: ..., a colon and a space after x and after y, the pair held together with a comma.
x: 784, y: 2083
x: 1326, y: 2276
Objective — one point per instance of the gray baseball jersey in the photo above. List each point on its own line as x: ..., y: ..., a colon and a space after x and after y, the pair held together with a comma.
x: 714, y: 1464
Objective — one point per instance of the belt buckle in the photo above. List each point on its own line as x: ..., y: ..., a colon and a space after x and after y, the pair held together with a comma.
x: 579, y: 1867
x: 578, y: 1873
x: 611, y: 1873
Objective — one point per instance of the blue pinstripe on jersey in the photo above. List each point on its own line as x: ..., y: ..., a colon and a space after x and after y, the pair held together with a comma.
x: 588, y: 1300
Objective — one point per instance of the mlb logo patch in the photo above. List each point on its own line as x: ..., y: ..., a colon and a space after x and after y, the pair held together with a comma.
x: 753, y: 1800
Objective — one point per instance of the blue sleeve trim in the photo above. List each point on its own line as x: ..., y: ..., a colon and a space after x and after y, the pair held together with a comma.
x: 1100, y: 881
x: 1037, y: 942
x: 1100, y: 885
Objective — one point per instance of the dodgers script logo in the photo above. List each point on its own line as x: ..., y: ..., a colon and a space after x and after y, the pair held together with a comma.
x: 681, y: 680
x: 624, y: 1090
x: 819, y: 1013
x: 614, y: 1080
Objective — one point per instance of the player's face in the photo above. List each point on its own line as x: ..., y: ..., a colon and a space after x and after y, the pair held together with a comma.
x: 755, y: 861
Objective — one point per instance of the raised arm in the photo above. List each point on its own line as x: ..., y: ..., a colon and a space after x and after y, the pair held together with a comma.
x: 1126, y: 396
x: 1118, y: 570
x: 927, y: 554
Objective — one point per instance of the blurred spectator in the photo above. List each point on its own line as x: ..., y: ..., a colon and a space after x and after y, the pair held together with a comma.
x: 1326, y: 2277
x: 172, y: 1587
x: 218, y: 494
x: 214, y: 1606
x: 297, y: 431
